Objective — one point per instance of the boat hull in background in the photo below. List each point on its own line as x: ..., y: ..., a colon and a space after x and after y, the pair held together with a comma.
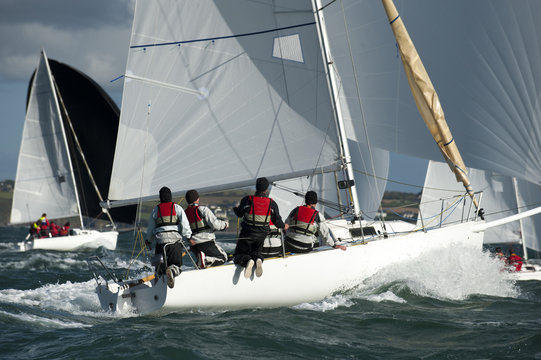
x: 90, y: 239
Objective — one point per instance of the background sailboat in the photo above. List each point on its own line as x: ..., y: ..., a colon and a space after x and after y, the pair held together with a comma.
x: 66, y: 155
x: 502, y: 195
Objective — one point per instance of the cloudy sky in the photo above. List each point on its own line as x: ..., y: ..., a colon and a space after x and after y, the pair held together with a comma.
x: 92, y: 36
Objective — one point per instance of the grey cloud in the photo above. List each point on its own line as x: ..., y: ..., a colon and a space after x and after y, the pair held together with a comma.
x: 92, y: 36
x: 66, y: 14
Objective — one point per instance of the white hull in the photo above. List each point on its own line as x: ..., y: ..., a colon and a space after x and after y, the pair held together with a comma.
x: 90, y: 239
x: 286, y: 281
x: 528, y: 272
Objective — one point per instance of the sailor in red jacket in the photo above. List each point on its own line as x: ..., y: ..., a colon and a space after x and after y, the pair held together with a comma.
x: 514, y: 260
x: 256, y: 211
x: 305, y: 225
x: 166, y: 226
x: 54, y: 229
x: 203, y: 224
x: 65, y: 229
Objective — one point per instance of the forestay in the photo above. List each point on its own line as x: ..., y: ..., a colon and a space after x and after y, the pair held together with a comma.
x: 44, y: 177
x: 217, y: 94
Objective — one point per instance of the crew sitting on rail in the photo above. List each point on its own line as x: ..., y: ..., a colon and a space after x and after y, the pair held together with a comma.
x: 305, y: 225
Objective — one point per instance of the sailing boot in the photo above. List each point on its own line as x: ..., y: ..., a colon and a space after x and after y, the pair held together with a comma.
x: 248, y: 269
x: 170, y: 277
x: 258, y: 267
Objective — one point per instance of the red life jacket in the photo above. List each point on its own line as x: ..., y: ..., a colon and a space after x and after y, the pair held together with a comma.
x: 197, y: 223
x: 516, y: 261
x: 166, y: 214
x: 260, y: 211
x: 64, y: 230
x: 305, y: 221
x: 54, y: 229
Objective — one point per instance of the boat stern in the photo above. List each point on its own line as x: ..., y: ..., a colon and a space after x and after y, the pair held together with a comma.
x: 138, y: 296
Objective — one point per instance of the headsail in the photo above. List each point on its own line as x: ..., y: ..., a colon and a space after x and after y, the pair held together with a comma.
x: 220, y: 93
x: 426, y: 97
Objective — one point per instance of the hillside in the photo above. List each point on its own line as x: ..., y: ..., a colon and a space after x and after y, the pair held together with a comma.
x: 396, y: 205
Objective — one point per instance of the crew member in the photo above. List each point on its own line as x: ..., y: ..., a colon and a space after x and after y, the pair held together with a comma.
x: 65, y: 229
x: 256, y: 211
x: 166, y: 227
x: 203, y: 224
x: 43, y: 226
x: 514, y: 260
x: 305, y: 225
x: 54, y: 229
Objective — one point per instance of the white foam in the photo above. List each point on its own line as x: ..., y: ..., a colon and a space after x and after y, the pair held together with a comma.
x: 43, y: 321
x: 450, y: 274
x: 329, y: 303
x: 72, y: 298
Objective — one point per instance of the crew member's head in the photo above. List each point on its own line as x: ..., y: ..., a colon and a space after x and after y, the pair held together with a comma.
x: 310, y: 198
x: 192, y: 196
x: 165, y: 195
x: 261, y: 184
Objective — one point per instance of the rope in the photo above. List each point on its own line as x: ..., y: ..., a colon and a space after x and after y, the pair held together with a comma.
x: 139, y: 239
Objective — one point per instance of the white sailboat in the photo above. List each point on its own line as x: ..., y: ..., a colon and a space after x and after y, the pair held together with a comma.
x: 65, y: 111
x: 271, y: 85
x: 503, y: 196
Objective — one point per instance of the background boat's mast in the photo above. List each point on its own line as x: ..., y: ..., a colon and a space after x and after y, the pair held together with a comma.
x: 333, y: 86
x: 521, y: 224
x: 53, y: 88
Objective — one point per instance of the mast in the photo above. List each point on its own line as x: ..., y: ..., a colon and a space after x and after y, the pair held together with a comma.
x: 333, y: 89
x: 521, y: 224
x: 53, y: 88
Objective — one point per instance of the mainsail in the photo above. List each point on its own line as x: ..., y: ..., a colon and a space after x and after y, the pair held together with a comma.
x: 219, y: 93
x: 65, y: 107
x: 44, y: 179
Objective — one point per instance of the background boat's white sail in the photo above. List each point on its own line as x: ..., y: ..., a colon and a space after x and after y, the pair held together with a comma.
x: 502, y: 197
x: 484, y: 58
x: 529, y: 194
x: 44, y: 180
x: 219, y: 93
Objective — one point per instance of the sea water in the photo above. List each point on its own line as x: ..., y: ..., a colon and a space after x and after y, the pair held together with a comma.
x: 436, y: 307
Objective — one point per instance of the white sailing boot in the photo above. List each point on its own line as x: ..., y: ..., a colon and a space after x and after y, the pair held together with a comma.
x: 248, y: 269
x: 258, y: 267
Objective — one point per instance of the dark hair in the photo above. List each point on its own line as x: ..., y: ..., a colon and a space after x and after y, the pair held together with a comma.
x: 165, y: 194
x: 310, y: 198
x: 261, y: 184
x: 191, y: 196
